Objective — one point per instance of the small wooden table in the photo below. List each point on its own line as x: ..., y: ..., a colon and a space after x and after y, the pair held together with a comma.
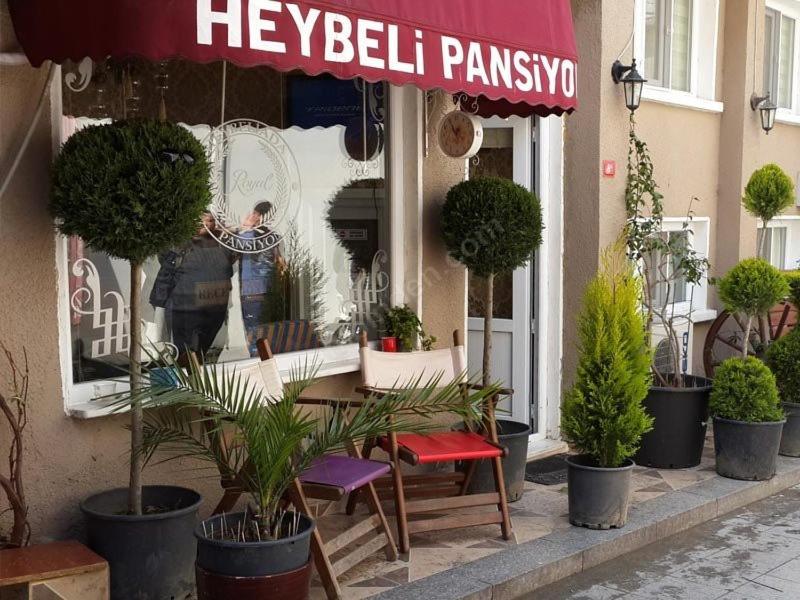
x: 56, y: 571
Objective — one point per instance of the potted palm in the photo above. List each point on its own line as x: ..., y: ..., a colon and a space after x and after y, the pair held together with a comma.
x: 404, y: 331
x: 133, y: 189
x: 268, y: 443
x: 602, y: 414
x: 783, y: 359
x: 493, y: 226
x: 748, y: 420
x: 666, y: 263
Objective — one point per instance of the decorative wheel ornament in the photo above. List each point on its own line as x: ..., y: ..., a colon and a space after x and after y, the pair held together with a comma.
x: 725, y: 337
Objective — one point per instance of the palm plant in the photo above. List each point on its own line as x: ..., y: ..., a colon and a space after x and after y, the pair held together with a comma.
x: 223, y: 417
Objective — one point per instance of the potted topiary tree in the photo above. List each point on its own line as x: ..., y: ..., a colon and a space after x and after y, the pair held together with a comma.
x: 133, y: 189
x: 750, y: 289
x: 768, y: 193
x: 493, y: 226
x: 783, y: 359
x: 748, y: 420
x: 602, y: 415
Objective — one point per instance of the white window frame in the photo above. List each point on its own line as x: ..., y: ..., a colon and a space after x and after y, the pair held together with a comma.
x: 790, y: 9
x: 792, y: 225
x: 79, y: 397
x: 703, y: 62
x: 696, y: 310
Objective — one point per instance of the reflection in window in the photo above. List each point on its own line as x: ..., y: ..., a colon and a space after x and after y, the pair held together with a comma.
x: 668, y: 43
x: 295, y: 246
x: 772, y: 245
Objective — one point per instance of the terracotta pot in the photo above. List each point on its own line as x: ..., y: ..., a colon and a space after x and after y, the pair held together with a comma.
x: 293, y: 585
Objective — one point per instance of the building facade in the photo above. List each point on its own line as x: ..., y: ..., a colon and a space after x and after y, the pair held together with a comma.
x: 370, y: 226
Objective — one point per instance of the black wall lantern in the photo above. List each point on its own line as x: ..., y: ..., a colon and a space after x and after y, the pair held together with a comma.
x: 631, y: 81
x: 767, y: 110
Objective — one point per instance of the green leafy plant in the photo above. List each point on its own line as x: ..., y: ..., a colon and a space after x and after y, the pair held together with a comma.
x: 662, y: 258
x: 602, y: 413
x: 751, y: 288
x: 491, y: 225
x: 768, y: 193
x: 404, y: 324
x: 131, y: 189
x: 268, y: 441
x: 793, y: 279
x: 745, y: 390
x: 783, y: 359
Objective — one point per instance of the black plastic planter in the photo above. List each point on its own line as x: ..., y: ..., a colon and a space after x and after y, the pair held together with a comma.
x: 747, y: 451
x: 514, y: 436
x: 598, y: 497
x: 679, y: 431
x: 151, y: 556
x: 251, y: 559
x: 790, y: 440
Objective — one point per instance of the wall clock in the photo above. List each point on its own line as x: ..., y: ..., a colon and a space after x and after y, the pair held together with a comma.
x: 460, y: 134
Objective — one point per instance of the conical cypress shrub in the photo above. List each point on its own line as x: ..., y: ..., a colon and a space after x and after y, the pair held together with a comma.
x: 602, y: 413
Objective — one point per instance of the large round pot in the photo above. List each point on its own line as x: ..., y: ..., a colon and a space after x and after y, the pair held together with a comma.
x: 293, y: 585
x: 151, y: 556
x: 747, y: 451
x: 513, y: 435
x: 790, y: 440
x: 679, y: 429
x: 598, y: 497
x: 251, y: 559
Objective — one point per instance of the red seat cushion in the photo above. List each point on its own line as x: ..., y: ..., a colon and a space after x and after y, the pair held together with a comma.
x: 445, y: 446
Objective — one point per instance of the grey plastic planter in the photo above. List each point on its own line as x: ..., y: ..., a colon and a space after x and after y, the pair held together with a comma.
x: 598, y: 497
x: 790, y: 440
x: 151, y: 557
x: 514, y: 437
x: 747, y: 451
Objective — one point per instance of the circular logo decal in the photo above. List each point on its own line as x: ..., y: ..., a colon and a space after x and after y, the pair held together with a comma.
x: 256, y: 186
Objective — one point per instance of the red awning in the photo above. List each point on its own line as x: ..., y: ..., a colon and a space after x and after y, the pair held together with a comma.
x: 516, y: 51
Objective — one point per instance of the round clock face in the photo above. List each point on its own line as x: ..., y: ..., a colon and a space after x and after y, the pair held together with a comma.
x: 460, y: 134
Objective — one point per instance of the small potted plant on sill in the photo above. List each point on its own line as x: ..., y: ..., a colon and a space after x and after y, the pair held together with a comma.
x: 267, y: 443
x: 783, y: 359
x: 602, y: 414
x: 404, y: 331
x: 666, y: 263
x: 493, y: 226
x: 133, y: 189
x: 748, y: 420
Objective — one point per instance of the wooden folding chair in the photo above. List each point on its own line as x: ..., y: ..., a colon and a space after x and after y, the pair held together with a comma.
x: 330, y: 478
x: 434, y: 492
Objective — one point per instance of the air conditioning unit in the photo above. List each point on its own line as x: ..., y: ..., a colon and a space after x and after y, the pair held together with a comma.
x: 663, y: 351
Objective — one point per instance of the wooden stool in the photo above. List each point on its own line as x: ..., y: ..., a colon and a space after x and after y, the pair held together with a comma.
x: 57, y: 571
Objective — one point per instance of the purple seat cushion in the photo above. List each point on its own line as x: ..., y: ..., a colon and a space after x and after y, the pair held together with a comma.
x: 344, y: 472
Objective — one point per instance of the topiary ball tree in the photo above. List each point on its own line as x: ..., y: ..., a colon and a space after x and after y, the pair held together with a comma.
x: 492, y: 226
x: 603, y: 414
x: 131, y: 189
x: 745, y: 390
x: 783, y: 359
x: 768, y: 193
x: 751, y: 288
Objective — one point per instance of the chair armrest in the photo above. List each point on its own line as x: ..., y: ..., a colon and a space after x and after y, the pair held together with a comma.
x: 337, y: 402
x: 500, y: 391
x: 371, y: 391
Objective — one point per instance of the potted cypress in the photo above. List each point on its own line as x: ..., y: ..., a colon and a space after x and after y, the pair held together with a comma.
x: 493, y: 226
x: 268, y: 443
x: 783, y: 359
x: 748, y: 420
x: 768, y: 192
x: 677, y: 401
x: 602, y: 415
x: 133, y: 189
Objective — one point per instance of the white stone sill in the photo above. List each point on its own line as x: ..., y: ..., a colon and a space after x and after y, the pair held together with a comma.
x: 680, y: 99
x: 786, y: 117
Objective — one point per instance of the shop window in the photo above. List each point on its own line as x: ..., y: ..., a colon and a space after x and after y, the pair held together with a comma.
x: 295, y: 246
x: 780, y: 57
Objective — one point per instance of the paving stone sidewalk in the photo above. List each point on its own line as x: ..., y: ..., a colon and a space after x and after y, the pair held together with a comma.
x: 751, y: 554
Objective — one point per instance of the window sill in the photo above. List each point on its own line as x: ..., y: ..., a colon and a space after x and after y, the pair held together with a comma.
x: 787, y: 118
x: 334, y: 361
x: 680, y: 99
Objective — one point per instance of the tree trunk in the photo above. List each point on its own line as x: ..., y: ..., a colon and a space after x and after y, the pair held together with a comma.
x: 487, y: 330
x: 746, y: 341
x: 135, y: 329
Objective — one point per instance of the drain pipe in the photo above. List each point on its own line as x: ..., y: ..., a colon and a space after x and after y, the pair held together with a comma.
x: 17, y: 59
